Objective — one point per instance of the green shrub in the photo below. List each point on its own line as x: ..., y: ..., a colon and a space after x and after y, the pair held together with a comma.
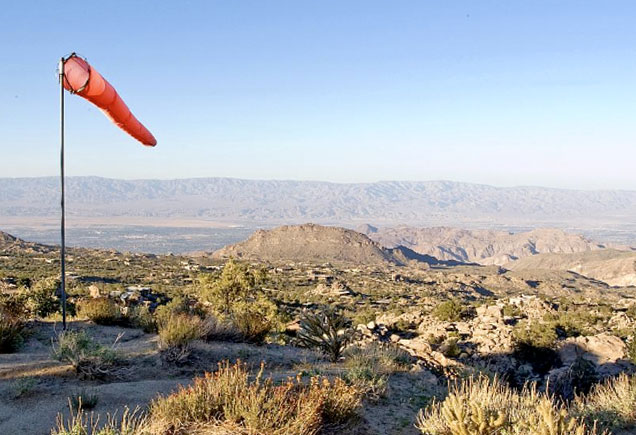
x: 238, y: 282
x: 88, y: 358
x: 23, y: 387
x: 450, y: 348
x: 141, y: 317
x: 219, y: 329
x: 449, y: 311
x: 534, y: 343
x: 42, y: 298
x: 511, y: 310
x: 178, y: 305
x: 326, y: 330
x: 631, y: 347
x: 103, y: 311
x: 11, y: 332
x: 631, y: 311
x: 255, y: 319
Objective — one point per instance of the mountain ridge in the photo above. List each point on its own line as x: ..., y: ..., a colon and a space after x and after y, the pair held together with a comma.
x: 289, y: 201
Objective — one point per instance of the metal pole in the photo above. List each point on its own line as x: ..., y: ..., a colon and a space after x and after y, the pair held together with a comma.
x: 62, y: 222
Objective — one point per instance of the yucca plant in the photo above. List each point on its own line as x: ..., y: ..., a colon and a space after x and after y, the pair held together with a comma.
x: 327, y: 330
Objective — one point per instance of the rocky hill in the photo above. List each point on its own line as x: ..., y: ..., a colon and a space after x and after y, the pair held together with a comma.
x: 316, y: 243
x: 617, y: 268
x: 13, y: 245
x: 480, y: 246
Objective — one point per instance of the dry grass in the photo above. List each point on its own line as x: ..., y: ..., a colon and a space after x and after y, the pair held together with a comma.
x: 81, y: 423
x: 369, y: 367
x: 480, y: 406
x: 229, y: 399
x: 612, y: 403
x: 176, y: 333
x: 232, y: 401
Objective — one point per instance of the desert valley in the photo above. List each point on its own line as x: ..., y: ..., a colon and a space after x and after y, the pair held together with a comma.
x: 391, y: 320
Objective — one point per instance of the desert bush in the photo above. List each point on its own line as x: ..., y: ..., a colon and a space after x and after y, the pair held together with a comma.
x: 482, y: 406
x: 380, y: 357
x: 450, y: 348
x: 254, y: 319
x: 512, y: 310
x: 89, y: 359
x: 176, y: 333
x: 41, y: 298
x: 228, y: 399
x: 80, y: 423
x: 103, y: 311
x: 534, y: 343
x: 326, y: 330
x: 631, y: 311
x: 11, y: 332
x: 611, y: 403
x: 237, y: 297
x: 141, y: 317
x: 177, y: 305
x: 572, y: 321
x: 83, y: 400
x: 14, y: 305
x: 238, y: 282
x: 449, y: 311
x: 368, y: 367
x: 23, y: 387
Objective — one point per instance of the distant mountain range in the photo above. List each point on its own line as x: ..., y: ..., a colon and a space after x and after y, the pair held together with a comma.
x: 287, y: 202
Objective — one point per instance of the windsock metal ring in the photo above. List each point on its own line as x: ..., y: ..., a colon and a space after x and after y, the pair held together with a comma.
x: 82, y: 79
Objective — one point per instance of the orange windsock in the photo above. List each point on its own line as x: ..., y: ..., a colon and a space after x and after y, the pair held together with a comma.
x: 82, y: 79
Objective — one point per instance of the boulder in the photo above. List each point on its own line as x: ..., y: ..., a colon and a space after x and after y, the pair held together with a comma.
x: 607, y: 352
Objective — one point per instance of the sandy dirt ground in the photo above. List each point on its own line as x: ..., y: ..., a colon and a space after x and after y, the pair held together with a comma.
x: 143, y: 376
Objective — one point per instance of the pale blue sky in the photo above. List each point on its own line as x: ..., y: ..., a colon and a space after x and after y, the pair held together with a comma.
x: 496, y: 92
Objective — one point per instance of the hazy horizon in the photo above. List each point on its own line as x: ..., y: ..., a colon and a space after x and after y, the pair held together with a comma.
x: 501, y: 186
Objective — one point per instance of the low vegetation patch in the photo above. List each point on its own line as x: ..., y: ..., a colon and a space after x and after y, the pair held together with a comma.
x: 369, y: 367
x: 231, y: 401
x: 451, y: 311
x: 483, y: 406
x: 611, y: 403
x: 535, y: 344
x: 103, y: 311
x: 176, y: 333
x: 12, y: 330
x: 89, y: 359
